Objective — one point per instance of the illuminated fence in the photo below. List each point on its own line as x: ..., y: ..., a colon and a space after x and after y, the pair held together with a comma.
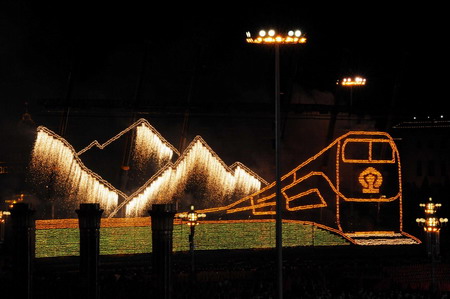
x: 133, y: 236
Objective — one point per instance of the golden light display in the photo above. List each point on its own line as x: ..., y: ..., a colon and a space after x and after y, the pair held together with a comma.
x: 372, y: 148
x: 292, y: 178
x: 198, y: 157
x: 147, y: 135
x: 54, y: 158
x: 357, y: 176
x: 150, y: 145
x: 371, y: 179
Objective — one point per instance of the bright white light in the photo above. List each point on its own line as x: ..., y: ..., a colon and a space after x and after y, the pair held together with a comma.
x: 271, y: 32
x: 197, y: 157
x: 298, y: 33
x: 248, y: 34
x: 54, y: 156
x: 262, y: 33
x: 291, y: 33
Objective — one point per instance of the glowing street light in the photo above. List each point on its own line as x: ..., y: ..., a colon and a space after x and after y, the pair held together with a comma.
x: 351, y: 82
x: 432, y: 225
x: 356, y: 81
x: 192, y: 218
x: 272, y: 37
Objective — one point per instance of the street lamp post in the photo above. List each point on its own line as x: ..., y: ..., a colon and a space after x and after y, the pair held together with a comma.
x: 432, y: 225
x: 192, y: 221
x: 350, y: 82
x: 276, y: 39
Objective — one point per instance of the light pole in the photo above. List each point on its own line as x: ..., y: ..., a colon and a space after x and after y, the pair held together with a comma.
x: 271, y: 37
x: 432, y: 225
x: 350, y: 83
x: 192, y: 221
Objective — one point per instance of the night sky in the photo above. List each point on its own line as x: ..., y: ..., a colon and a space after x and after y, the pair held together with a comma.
x: 196, y: 55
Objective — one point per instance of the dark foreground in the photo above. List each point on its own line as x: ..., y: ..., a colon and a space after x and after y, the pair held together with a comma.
x: 335, y: 272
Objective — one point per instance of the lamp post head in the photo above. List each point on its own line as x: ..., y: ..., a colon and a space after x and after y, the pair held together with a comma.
x: 273, y: 37
x: 192, y: 216
x: 355, y: 81
x: 431, y: 223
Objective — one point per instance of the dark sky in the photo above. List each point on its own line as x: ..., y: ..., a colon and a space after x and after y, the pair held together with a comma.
x: 197, y: 53
x: 103, y: 42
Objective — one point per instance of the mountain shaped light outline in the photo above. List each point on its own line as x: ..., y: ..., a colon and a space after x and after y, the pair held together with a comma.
x: 152, y: 186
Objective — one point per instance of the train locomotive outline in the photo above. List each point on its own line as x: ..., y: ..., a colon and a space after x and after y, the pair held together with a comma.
x: 352, y: 187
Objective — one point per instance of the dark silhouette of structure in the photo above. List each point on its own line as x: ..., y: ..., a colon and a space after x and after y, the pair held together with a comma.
x: 162, y: 216
x: 23, y: 248
x: 89, y: 216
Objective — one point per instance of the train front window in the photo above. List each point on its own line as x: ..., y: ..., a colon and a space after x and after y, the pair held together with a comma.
x: 382, y: 151
x: 356, y: 151
x: 367, y: 151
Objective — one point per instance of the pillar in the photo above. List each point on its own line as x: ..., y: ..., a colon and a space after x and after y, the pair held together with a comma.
x: 89, y: 216
x: 162, y: 216
x: 23, y: 248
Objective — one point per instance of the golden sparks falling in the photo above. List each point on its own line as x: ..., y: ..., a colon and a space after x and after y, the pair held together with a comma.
x: 54, y: 157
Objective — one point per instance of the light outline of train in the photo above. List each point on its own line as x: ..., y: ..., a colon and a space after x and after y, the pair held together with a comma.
x: 258, y: 205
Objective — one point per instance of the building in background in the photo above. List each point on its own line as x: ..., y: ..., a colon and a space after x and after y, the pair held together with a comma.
x: 424, y: 146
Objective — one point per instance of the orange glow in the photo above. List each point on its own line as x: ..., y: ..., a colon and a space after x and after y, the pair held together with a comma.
x: 371, y: 179
x: 191, y: 217
x: 105, y: 222
x: 298, y: 195
x: 272, y: 37
x: 263, y: 202
x: 430, y: 207
x: 356, y: 81
x: 431, y: 223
